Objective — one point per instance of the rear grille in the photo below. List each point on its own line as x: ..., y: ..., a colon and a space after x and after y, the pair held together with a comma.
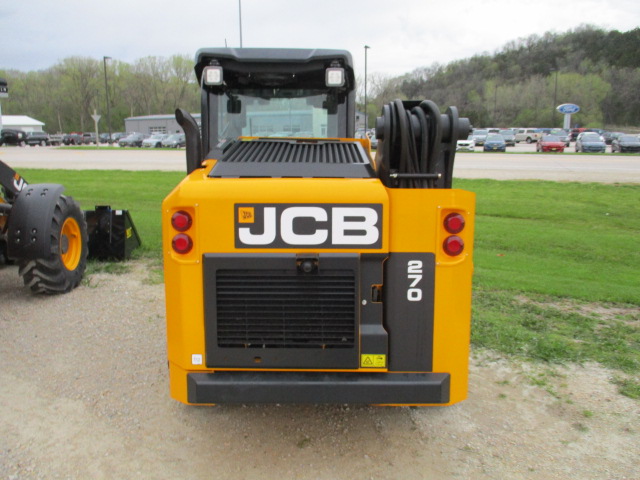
x: 294, y: 158
x: 279, y: 151
x: 276, y: 309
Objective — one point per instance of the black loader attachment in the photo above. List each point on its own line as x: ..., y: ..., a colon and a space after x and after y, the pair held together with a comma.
x: 50, y: 238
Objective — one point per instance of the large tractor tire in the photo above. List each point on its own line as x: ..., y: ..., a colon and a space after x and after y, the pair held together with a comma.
x: 62, y: 271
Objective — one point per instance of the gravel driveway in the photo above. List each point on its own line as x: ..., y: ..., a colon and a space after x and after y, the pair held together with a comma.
x: 85, y: 396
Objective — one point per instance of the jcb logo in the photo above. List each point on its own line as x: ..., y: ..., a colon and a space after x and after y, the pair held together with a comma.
x: 323, y: 226
x: 18, y: 183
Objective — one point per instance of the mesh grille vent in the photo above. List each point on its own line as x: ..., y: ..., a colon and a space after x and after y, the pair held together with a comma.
x: 285, y: 310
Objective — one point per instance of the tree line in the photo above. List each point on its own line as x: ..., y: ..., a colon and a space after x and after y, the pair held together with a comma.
x: 519, y: 85
x: 65, y: 95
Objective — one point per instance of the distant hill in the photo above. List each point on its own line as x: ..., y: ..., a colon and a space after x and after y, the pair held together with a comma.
x: 521, y: 84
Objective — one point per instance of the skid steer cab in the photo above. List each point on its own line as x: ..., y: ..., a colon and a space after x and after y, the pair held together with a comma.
x: 299, y: 268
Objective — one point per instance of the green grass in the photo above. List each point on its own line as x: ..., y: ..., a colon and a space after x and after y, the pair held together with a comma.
x: 557, y: 273
x: 557, y: 265
x: 566, y: 239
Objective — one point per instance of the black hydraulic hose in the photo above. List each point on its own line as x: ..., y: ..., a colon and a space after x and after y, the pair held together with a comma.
x: 417, y: 144
x: 433, y: 137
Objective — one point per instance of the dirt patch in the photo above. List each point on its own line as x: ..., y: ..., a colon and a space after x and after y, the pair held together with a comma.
x: 85, y: 395
x: 629, y: 315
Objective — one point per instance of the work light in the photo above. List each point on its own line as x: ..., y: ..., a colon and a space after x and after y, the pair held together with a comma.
x: 335, y: 77
x: 213, y: 75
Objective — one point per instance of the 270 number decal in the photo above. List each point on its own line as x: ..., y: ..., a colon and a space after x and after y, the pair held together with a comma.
x: 414, y: 274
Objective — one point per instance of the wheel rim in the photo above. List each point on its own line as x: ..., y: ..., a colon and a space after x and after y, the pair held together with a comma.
x: 70, y: 244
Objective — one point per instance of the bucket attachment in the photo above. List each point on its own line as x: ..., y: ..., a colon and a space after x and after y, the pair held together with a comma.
x: 112, y: 235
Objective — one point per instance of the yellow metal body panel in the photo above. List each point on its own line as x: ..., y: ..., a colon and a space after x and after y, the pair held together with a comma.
x: 416, y: 225
x: 412, y: 222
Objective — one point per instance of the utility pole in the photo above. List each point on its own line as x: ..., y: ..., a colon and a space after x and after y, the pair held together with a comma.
x: 555, y: 96
x: 240, y: 19
x: 4, y: 93
x: 495, y: 104
x: 366, y: 123
x: 106, y: 89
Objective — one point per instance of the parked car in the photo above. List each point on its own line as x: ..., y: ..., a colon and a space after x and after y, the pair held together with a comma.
x: 608, y: 137
x: 550, y: 143
x: 37, y: 138
x: 115, y: 137
x: 132, y: 140
x: 615, y: 135
x: 72, y: 139
x: 154, y: 141
x: 479, y: 136
x: 371, y: 134
x: 509, y: 137
x: 494, y: 143
x: 105, y: 138
x: 626, y: 143
x: 468, y: 144
x: 528, y: 135
x: 563, y: 135
x: 55, y: 139
x: 12, y: 136
x: 176, y: 140
x: 575, y: 132
x: 590, y: 142
x: 89, y: 138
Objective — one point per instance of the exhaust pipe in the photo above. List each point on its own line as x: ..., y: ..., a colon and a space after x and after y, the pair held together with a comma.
x: 192, y: 139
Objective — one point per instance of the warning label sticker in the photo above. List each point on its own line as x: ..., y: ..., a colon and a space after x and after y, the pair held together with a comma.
x: 373, y: 361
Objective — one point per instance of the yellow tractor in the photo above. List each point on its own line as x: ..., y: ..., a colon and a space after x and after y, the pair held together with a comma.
x: 299, y: 268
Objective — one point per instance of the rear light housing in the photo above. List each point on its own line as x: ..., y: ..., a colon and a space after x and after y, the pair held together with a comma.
x: 182, y: 243
x: 181, y: 221
x: 454, y: 223
x: 453, y: 245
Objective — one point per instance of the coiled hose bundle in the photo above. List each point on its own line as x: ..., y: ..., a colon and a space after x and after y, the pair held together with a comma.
x: 417, y: 144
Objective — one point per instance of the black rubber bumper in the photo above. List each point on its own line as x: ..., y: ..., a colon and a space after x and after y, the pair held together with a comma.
x: 318, y: 387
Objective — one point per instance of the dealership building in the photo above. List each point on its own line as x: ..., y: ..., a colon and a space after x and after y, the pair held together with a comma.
x: 21, y: 122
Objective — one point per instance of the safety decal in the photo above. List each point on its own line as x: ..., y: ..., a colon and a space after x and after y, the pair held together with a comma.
x: 373, y: 361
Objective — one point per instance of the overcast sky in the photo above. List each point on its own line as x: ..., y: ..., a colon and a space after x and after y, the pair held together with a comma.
x: 402, y: 34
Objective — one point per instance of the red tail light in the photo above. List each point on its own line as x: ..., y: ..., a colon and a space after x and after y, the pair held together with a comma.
x: 182, y: 243
x: 453, y: 245
x: 454, y: 223
x: 181, y: 221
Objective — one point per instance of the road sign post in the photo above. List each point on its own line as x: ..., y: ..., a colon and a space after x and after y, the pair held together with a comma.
x: 4, y: 93
x: 96, y: 119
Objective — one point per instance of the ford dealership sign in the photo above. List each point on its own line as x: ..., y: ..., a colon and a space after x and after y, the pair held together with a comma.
x: 568, y: 108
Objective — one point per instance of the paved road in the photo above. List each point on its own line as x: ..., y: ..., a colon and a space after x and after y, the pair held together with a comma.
x: 557, y: 167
